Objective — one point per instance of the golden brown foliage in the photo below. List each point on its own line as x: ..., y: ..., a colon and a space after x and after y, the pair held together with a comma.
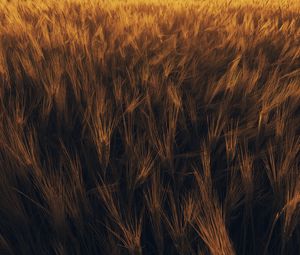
x: 149, y: 127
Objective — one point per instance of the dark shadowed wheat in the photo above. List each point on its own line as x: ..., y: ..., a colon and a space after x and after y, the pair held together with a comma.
x: 149, y: 127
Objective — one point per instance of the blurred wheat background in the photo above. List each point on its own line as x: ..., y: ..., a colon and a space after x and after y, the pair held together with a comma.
x: 149, y: 127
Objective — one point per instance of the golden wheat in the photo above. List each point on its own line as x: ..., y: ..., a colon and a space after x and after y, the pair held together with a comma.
x: 149, y: 127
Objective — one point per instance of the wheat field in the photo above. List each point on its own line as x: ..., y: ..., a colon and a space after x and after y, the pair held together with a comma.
x: 150, y: 127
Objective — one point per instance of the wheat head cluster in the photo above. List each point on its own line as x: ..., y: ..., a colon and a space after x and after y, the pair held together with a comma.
x: 149, y: 127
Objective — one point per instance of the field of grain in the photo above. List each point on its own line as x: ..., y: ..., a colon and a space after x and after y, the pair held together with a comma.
x: 149, y: 127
